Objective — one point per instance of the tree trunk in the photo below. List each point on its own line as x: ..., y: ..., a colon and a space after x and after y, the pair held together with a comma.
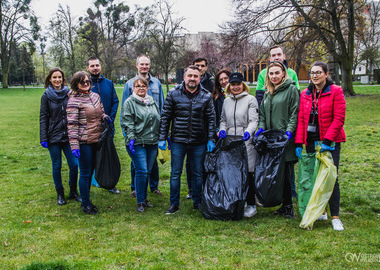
x: 5, y: 78
x: 167, y: 81
x: 347, y: 80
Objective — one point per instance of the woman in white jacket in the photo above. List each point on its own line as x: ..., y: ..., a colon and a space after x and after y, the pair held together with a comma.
x: 240, y: 117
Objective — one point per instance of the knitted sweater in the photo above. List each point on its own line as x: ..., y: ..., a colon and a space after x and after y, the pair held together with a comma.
x: 84, y: 118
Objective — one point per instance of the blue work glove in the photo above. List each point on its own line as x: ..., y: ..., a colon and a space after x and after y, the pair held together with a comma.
x: 210, y: 146
x: 169, y: 143
x: 259, y: 131
x: 325, y: 147
x: 76, y: 153
x: 289, y: 134
x: 131, y: 145
x: 44, y: 144
x: 162, y: 145
x: 299, y: 152
x: 222, y: 134
x: 246, y: 136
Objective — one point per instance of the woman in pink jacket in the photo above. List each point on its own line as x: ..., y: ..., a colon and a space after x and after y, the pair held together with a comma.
x: 321, y: 118
x: 84, y: 124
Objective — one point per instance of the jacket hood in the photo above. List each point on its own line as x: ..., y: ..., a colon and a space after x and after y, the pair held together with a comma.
x: 311, y: 86
x: 98, y: 79
x: 55, y: 95
x: 285, y: 85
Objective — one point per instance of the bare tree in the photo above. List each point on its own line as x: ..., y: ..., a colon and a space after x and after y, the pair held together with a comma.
x: 332, y: 21
x: 13, y: 16
x: 63, y: 31
x: 164, y: 32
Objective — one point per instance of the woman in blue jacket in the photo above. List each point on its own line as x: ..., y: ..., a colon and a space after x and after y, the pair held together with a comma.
x: 53, y: 132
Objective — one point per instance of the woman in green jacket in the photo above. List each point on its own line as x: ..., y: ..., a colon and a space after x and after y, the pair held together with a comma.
x: 279, y: 110
x: 141, y: 123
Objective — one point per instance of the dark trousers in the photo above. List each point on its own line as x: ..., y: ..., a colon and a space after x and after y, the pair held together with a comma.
x: 334, y: 201
x: 86, y: 167
x: 287, y: 191
x: 251, y: 190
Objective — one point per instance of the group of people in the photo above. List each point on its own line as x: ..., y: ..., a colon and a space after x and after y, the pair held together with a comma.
x: 193, y: 117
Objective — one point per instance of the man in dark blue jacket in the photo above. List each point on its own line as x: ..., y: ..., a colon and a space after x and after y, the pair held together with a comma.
x: 106, y: 90
x: 189, y: 112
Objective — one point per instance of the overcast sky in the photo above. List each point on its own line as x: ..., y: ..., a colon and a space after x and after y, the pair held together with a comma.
x: 200, y: 15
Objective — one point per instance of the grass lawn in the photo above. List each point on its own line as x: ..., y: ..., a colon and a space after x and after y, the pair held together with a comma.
x: 36, y: 233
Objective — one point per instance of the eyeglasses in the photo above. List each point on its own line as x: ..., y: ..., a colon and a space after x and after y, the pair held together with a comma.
x: 318, y: 73
x: 140, y: 86
x: 85, y: 82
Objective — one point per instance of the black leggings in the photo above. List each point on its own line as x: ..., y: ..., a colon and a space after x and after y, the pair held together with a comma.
x: 287, y: 191
x: 251, y: 190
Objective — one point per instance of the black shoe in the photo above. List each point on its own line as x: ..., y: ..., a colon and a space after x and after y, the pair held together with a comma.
x: 188, y: 196
x: 197, y: 206
x: 140, y: 207
x: 60, y: 197
x: 147, y: 204
x: 157, y: 192
x: 73, y: 195
x: 280, y: 211
x: 172, y: 209
x: 114, y: 190
x: 289, y: 213
x: 91, y: 210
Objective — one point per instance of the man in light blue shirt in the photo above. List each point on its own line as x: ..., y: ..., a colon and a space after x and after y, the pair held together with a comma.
x: 155, y: 91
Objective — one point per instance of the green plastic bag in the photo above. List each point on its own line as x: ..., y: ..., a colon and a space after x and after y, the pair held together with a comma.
x: 307, y: 172
x: 323, y: 188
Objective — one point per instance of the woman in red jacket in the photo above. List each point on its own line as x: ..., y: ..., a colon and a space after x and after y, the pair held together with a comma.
x: 321, y: 118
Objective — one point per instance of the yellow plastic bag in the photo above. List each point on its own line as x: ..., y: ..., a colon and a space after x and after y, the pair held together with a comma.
x: 163, y: 155
x: 323, y: 188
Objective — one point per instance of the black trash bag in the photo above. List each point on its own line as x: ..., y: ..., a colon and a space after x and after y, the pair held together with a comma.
x: 107, y: 164
x: 270, y: 166
x: 226, y: 184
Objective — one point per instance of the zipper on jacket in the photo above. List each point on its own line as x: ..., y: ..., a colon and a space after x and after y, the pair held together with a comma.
x: 190, y: 115
x: 235, y: 114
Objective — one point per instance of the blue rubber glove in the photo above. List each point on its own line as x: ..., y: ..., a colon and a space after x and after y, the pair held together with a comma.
x: 299, y: 152
x: 325, y: 147
x: 289, y: 134
x: 169, y: 143
x: 108, y: 119
x: 222, y: 134
x: 210, y: 146
x: 246, y: 136
x: 162, y: 145
x: 259, y: 131
x: 76, y: 153
x: 44, y: 144
x: 131, y: 145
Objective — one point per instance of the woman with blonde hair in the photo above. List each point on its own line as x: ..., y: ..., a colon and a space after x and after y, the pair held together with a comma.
x: 279, y: 110
x: 240, y: 117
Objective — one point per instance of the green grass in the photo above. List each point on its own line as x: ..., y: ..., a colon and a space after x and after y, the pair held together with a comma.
x: 36, y: 233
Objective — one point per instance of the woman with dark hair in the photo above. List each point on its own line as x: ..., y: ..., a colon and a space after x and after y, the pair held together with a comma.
x: 53, y: 132
x: 141, y: 124
x: 240, y: 117
x: 321, y: 118
x: 84, y: 122
x: 279, y: 110
x: 221, y: 82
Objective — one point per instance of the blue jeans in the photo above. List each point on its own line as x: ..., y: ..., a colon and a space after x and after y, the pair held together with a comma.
x: 195, y: 155
x: 153, y: 177
x: 86, y: 166
x: 55, y: 151
x: 143, y: 159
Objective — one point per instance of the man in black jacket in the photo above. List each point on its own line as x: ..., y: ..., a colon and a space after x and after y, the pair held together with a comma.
x: 189, y: 110
x: 206, y: 81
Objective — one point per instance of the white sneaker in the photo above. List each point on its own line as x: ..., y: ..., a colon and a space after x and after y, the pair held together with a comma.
x: 337, y: 224
x: 250, y: 211
x: 323, y: 217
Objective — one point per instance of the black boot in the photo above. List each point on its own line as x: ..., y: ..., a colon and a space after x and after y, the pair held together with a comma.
x: 289, y: 213
x: 280, y: 211
x: 60, y: 197
x: 74, y: 194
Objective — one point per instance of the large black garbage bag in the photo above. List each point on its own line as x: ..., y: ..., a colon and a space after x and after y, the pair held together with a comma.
x: 226, y: 182
x: 270, y: 166
x: 107, y: 164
